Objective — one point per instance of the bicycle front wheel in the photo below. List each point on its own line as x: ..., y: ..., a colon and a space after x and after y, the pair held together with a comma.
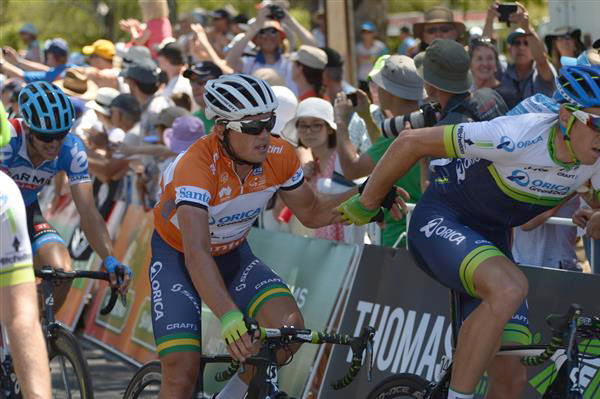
x: 68, y: 367
x: 145, y: 383
x: 401, y: 386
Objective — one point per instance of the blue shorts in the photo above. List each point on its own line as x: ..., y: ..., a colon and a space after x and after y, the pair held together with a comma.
x: 176, y: 306
x: 449, y: 247
x: 40, y: 231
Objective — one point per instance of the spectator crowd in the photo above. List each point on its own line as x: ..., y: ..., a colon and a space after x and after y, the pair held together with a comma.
x: 141, y: 103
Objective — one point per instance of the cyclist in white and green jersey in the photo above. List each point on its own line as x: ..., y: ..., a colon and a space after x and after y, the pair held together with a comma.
x: 18, y: 297
x: 499, y: 174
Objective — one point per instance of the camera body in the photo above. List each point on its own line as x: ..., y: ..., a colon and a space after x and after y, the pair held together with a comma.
x: 427, y: 115
x: 276, y: 12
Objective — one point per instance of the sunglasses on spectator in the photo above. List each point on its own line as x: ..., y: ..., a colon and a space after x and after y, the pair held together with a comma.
x: 253, y: 127
x: 49, y: 138
x: 441, y: 29
x: 315, y: 128
x: 590, y: 120
x: 518, y: 43
x: 270, y: 31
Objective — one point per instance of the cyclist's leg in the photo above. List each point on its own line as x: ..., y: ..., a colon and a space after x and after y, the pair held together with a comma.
x: 465, y: 261
x: 176, y: 314
x: 507, y: 377
x: 19, y: 315
x: 264, y: 297
x: 48, y: 250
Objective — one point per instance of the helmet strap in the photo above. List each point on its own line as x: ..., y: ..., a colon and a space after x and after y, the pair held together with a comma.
x: 231, y: 153
x: 566, y: 131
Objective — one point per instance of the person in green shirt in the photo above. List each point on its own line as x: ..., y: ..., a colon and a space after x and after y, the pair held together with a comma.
x: 199, y: 74
x: 399, y: 91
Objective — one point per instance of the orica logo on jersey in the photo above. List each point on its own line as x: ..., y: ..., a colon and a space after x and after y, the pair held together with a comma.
x: 436, y: 227
x: 508, y: 145
x: 235, y: 218
x: 520, y: 177
x: 193, y: 194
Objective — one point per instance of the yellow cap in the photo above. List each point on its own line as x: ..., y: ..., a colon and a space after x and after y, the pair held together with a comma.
x: 102, y: 48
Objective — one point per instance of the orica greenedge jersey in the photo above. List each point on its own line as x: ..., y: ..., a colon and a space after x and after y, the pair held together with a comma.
x: 15, y: 162
x: 506, y: 172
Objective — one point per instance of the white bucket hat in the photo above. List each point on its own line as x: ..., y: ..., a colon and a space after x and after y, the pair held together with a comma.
x: 286, y: 109
x: 311, y: 107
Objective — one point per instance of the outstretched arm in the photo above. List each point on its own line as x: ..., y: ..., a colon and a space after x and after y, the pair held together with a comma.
x: 314, y: 209
x: 405, y: 151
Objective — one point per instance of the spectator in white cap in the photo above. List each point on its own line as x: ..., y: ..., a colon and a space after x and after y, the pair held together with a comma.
x: 96, y: 120
x: 286, y: 110
x: 307, y: 72
x: 400, y: 90
x: 29, y: 34
x: 313, y: 127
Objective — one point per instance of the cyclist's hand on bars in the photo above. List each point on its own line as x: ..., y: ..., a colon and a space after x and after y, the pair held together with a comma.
x: 120, y: 275
x: 235, y: 334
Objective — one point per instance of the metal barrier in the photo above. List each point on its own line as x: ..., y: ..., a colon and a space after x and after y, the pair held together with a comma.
x: 553, y: 220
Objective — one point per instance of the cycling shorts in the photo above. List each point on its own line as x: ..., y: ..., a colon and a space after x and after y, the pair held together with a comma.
x: 15, y: 251
x: 449, y: 247
x: 40, y: 231
x: 176, y: 306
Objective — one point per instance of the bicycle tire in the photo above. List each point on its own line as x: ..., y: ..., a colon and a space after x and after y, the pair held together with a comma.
x: 62, y: 344
x: 401, y: 386
x: 148, y: 376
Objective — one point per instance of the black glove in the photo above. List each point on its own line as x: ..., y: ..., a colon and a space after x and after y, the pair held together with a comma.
x: 387, y: 203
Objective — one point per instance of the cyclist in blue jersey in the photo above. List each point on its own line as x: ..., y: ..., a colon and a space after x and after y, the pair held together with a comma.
x: 500, y: 174
x: 40, y: 147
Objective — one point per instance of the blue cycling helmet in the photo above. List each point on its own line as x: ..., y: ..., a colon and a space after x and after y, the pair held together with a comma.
x: 579, y: 85
x: 45, y: 108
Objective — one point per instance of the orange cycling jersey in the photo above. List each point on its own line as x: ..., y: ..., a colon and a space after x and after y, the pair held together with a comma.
x: 204, y: 176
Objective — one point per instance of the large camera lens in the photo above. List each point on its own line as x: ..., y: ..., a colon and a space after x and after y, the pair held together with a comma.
x: 426, y: 116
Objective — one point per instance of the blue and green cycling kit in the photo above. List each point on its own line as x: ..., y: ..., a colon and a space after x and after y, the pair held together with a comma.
x: 15, y: 161
x: 501, y: 174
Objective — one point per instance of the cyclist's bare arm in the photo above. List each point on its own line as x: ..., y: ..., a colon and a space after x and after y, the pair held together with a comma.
x: 91, y: 221
x: 201, y: 266
x: 203, y: 270
x: 405, y: 151
x: 314, y: 209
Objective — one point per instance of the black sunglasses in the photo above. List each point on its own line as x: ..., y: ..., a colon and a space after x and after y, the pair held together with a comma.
x: 49, y: 138
x: 253, y: 127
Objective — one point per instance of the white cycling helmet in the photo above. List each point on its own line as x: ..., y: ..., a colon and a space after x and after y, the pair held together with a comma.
x: 234, y: 97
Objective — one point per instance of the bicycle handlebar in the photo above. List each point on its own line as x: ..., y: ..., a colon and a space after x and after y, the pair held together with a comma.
x: 289, y: 335
x: 48, y: 273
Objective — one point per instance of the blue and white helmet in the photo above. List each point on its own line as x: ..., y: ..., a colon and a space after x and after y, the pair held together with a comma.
x: 579, y: 85
x: 45, y: 108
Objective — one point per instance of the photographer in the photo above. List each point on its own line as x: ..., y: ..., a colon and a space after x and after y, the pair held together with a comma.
x: 267, y: 34
x: 444, y: 67
x: 400, y: 90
